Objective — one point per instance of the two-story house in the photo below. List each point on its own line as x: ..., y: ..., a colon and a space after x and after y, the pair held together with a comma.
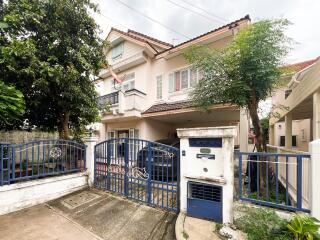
x: 153, y: 99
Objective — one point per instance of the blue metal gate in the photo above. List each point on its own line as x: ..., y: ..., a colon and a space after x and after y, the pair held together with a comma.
x: 138, y: 169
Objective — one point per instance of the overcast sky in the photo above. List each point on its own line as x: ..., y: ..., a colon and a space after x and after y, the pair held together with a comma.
x: 304, y: 14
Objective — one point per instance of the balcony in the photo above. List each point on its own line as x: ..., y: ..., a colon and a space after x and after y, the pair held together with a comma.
x: 111, y: 98
x: 128, y: 104
x: 124, y: 63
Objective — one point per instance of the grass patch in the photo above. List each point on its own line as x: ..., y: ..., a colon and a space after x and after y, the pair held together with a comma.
x: 263, y: 224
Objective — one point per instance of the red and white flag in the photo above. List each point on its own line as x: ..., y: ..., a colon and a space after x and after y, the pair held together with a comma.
x: 115, y: 76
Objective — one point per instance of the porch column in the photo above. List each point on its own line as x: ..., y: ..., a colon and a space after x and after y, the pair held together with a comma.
x: 244, y: 130
x: 316, y: 115
x: 102, y: 132
x: 271, y: 135
x: 90, y: 142
x: 288, y: 130
x: 314, y: 178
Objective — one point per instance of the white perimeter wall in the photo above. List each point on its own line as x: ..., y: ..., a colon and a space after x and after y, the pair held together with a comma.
x: 26, y: 194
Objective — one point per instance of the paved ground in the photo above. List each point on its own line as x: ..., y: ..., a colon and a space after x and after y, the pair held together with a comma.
x: 195, y: 229
x: 89, y: 215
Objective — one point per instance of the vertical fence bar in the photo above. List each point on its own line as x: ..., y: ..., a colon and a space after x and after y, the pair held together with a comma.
x: 32, y: 158
x: 258, y: 176
x: 299, y: 182
x: 1, y: 159
x: 287, y: 180
x: 240, y: 175
x: 13, y: 149
x: 126, y: 168
x: 267, y: 178
x: 277, y: 179
x: 149, y: 171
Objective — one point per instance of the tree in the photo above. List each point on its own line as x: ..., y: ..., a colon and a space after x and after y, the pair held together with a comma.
x: 11, y: 104
x: 52, y: 50
x: 245, y: 72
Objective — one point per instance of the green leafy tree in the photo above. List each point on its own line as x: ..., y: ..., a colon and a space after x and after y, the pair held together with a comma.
x: 50, y: 52
x: 243, y: 73
x: 11, y: 104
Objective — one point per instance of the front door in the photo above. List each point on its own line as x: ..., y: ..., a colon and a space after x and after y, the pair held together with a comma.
x: 123, y: 133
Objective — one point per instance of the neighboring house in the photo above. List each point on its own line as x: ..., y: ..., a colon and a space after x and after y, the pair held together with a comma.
x: 301, y: 107
x: 153, y: 100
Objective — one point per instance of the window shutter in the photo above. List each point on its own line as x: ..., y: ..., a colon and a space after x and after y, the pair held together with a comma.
x: 171, y: 83
x: 159, y: 87
x: 177, y: 81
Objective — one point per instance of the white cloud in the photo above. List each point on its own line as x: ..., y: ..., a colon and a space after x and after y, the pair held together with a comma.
x: 304, y: 14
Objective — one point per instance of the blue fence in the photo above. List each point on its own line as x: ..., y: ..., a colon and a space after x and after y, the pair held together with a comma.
x: 275, y: 180
x: 140, y: 170
x: 38, y: 159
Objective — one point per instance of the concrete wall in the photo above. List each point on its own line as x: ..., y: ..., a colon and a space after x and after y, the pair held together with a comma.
x: 17, y: 137
x: 26, y: 194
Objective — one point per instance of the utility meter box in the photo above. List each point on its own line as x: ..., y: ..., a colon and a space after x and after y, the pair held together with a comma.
x: 206, y: 172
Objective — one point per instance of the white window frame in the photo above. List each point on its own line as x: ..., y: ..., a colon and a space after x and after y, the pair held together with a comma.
x: 172, y: 80
x: 129, y: 82
x: 114, y: 55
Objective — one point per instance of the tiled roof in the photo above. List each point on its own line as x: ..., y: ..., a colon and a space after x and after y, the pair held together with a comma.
x: 133, y: 34
x: 151, y: 38
x: 230, y: 25
x: 161, y: 107
x: 134, y: 37
x: 296, y: 67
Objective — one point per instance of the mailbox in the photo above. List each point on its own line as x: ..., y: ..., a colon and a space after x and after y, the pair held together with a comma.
x: 206, y: 172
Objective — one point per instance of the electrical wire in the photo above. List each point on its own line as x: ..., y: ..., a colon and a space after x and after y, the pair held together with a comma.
x: 153, y: 20
x: 195, y: 12
x: 222, y: 20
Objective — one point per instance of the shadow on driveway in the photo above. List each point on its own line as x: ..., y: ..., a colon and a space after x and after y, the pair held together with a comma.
x: 89, y: 214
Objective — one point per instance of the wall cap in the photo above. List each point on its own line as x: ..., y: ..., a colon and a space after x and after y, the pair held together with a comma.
x: 90, y: 139
x: 205, y: 132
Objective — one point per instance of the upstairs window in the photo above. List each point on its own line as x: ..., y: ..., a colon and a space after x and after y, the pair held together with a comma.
x: 159, y: 87
x: 128, y: 82
x: 117, y: 52
x: 183, y: 79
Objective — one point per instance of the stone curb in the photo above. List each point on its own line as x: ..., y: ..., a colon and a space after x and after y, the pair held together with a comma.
x: 179, y: 226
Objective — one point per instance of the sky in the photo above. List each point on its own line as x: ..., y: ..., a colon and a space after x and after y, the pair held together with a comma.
x: 181, y: 22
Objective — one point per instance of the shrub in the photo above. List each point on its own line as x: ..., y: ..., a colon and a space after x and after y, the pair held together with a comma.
x: 263, y: 224
x: 304, y: 227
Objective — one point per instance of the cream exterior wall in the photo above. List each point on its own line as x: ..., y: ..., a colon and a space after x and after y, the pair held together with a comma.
x: 298, y: 126
x: 145, y: 81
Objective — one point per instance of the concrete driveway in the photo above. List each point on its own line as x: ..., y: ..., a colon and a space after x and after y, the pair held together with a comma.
x: 89, y: 214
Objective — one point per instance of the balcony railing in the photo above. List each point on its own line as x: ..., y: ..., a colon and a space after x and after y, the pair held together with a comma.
x: 111, y: 98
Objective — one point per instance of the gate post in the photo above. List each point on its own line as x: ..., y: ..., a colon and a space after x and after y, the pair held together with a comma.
x: 90, y: 158
x: 314, y: 193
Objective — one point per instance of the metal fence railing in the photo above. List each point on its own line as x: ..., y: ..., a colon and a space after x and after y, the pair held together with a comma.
x: 39, y: 159
x: 274, y: 179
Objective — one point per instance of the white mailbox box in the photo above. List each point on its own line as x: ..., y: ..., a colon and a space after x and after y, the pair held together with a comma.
x: 206, y: 172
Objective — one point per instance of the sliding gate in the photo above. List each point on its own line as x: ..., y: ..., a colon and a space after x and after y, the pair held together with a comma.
x: 142, y: 170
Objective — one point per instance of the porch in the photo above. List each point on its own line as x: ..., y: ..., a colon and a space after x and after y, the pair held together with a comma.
x: 300, y: 102
x: 162, y: 120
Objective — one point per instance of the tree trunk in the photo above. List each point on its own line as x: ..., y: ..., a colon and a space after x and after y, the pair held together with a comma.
x: 260, y: 140
x: 63, y: 127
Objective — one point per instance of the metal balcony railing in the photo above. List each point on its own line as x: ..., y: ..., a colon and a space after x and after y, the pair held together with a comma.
x: 111, y: 98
